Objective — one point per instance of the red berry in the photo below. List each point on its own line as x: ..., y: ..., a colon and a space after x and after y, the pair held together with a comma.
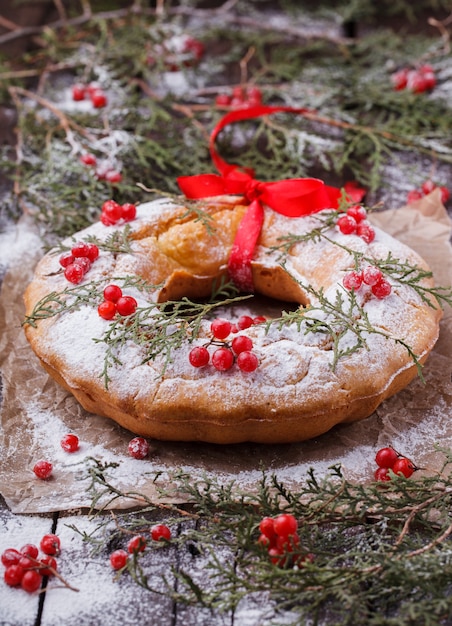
x: 43, y: 469
x: 244, y: 321
x: 382, y: 289
x: 31, y: 581
x: 357, y: 212
x: 247, y: 361
x: 254, y: 96
x: 372, y: 275
x: 399, y: 79
x: 83, y: 262
x: 112, y: 293
x: 241, y: 344
x: 118, y: 559
x: 223, y: 100
x: 128, y: 212
x: 353, y: 280
x: 113, y: 176
x: 260, y: 319
x: 220, y: 328
x: 382, y: 474
x: 222, y: 359
x: 107, y: 310
x: 112, y: 211
x: 199, y: 356
x: 403, y: 466
x: 288, y: 543
x: 136, y: 544
x: 428, y: 186
x: 78, y: 92
x: 386, y: 457
x: 70, y: 443
x: 10, y: 556
x: 80, y: 249
x: 13, y: 575
x: 88, y: 159
x: 126, y: 305
x: 267, y: 527
x: 93, y: 252
x: 29, y: 549
x: 347, y: 225
x: 160, y: 532
x: 98, y: 98
x: 413, y: 196
x: 365, y: 231
x: 66, y: 259
x: 26, y: 562
x: 285, y: 525
x: 445, y: 194
x: 138, y: 448
x: 50, y: 566
x: 74, y: 273
x: 50, y: 544
x: 106, y: 221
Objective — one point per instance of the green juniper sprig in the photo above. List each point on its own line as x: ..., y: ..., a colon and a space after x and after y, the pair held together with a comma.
x: 379, y: 553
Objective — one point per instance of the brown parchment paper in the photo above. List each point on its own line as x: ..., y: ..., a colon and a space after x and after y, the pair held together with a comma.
x: 36, y: 413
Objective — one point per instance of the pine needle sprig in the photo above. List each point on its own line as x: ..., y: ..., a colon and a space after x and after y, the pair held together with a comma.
x: 379, y: 552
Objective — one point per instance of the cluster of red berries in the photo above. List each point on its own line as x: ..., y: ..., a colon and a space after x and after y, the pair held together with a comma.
x: 372, y: 277
x: 241, y: 97
x: 427, y: 187
x: 114, y: 302
x: 416, y: 80
x: 43, y: 469
x: 138, y: 543
x: 103, y: 171
x: 354, y: 222
x: 26, y: 567
x: 239, y: 350
x: 113, y: 213
x: 92, y: 92
x: 388, y: 459
x: 178, y: 52
x: 280, y: 538
x: 78, y: 261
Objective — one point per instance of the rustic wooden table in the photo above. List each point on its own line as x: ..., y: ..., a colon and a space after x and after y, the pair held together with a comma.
x: 92, y: 596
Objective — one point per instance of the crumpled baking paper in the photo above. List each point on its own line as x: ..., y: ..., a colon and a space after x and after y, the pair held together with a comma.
x: 36, y: 412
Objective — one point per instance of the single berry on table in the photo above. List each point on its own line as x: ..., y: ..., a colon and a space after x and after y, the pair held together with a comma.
x: 50, y: 544
x: 138, y: 448
x: 70, y: 442
x: 43, y: 469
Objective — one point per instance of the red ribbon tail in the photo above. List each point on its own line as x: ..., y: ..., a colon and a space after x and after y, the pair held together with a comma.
x: 239, y: 264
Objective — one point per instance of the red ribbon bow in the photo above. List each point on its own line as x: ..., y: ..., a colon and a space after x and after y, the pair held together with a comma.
x: 293, y: 197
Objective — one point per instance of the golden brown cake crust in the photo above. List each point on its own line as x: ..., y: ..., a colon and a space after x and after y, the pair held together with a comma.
x: 308, y: 379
